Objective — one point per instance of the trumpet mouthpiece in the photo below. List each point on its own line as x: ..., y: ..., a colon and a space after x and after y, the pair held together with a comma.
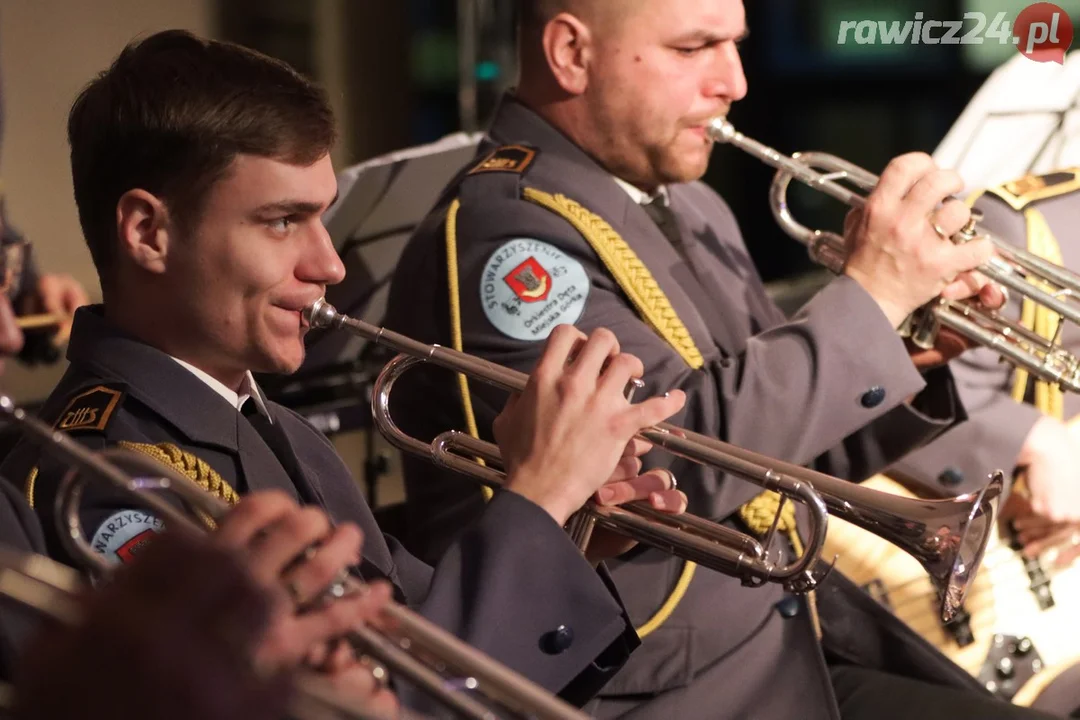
x: 321, y: 314
x: 721, y: 130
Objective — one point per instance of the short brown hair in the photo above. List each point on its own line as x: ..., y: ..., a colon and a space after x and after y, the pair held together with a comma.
x: 171, y: 114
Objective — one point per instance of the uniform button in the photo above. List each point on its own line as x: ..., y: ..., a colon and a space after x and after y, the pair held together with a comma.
x: 950, y: 477
x: 788, y: 607
x: 873, y: 397
x: 557, y: 641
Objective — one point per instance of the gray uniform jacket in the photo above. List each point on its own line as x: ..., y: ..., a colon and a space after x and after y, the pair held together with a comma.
x: 997, y: 425
x: 514, y: 585
x: 826, y: 388
x: 19, y: 531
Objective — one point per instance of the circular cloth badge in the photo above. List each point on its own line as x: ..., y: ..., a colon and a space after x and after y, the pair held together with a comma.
x: 124, y: 533
x: 528, y: 287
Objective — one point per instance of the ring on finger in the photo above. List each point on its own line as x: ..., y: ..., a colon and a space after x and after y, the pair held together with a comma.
x: 293, y: 589
x: 672, y: 478
x: 938, y: 229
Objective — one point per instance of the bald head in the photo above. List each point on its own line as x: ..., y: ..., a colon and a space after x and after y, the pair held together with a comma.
x: 598, y: 14
x: 633, y: 82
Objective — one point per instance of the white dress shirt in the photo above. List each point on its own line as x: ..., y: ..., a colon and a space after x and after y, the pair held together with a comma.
x: 640, y: 196
x: 248, y: 388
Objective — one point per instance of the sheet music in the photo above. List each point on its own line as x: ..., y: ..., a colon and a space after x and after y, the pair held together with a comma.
x: 1025, y: 118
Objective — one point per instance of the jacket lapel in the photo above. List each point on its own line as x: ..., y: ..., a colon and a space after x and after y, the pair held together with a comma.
x: 340, y: 497
x: 721, y: 273
x: 197, y: 414
x: 261, y: 468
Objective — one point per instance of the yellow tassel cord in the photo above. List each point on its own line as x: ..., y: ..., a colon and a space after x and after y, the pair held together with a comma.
x: 1040, y: 241
x: 455, y: 326
x: 198, y: 470
x: 655, y: 309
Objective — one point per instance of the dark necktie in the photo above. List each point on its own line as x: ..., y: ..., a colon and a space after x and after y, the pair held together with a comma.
x: 664, y: 217
x: 279, y: 444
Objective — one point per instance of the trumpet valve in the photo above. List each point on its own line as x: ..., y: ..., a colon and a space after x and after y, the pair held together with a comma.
x: 969, y: 231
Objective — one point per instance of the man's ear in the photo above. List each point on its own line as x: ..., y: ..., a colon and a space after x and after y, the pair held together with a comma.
x: 144, y: 229
x: 567, y: 48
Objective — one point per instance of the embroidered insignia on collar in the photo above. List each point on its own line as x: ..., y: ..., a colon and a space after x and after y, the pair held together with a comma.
x: 1030, y: 188
x: 91, y: 410
x: 508, y: 158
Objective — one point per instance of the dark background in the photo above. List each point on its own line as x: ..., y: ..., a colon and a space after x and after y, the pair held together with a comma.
x: 866, y: 103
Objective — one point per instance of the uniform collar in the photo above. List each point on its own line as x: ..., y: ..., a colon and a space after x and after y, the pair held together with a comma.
x: 102, y: 350
x: 248, y: 388
x: 514, y: 121
x: 641, y: 197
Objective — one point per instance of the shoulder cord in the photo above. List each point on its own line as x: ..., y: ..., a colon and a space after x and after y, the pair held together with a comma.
x: 655, y: 309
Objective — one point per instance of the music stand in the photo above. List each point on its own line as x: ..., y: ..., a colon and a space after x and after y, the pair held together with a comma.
x: 380, y: 203
x: 1025, y: 118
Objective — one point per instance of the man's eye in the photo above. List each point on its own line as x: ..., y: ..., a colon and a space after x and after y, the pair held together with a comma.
x: 281, y: 225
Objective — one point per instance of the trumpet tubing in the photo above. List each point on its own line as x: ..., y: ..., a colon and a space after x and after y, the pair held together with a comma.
x: 414, y: 648
x: 1050, y: 285
x: 50, y: 590
x: 947, y: 536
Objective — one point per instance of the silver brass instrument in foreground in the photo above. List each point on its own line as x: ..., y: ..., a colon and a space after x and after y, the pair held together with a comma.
x: 453, y: 673
x: 947, y: 536
x: 1052, y: 286
x: 50, y: 590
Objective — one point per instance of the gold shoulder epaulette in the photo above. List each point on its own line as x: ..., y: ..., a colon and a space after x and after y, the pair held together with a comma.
x: 508, y: 158
x: 1023, y: 191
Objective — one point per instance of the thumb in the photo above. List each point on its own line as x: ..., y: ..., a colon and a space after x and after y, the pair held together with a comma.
x: 656, y: 409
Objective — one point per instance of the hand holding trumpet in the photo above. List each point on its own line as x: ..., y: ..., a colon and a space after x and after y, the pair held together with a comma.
x: 569, y: 436
x: 900, y: 249
x: 214, y: 627
x: 294, y: 555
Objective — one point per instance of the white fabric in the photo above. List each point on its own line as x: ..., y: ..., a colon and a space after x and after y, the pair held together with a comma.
x: 641, y: 197
x: 1011, y: 125
x: 248, y: 388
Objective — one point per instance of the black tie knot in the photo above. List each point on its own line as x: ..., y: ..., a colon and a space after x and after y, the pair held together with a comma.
x: 249, y: 408
x: 664, y: 217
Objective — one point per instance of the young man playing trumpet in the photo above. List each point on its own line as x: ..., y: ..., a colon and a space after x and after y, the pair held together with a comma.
x: 209, y: 245
x: 163, y: 616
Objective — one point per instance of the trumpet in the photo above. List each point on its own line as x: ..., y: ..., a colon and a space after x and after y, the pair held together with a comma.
x: 948, y: 537
x: 1050, y: 285
x: 414, y: 648
x: 50, y: 590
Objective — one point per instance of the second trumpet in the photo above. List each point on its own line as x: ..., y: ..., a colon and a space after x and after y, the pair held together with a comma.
x: 1030, y: 276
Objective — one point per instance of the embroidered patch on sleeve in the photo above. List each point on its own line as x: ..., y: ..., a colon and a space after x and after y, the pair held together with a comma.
x: 528, y: 287
x: 509, y: 158
x: 123, y: 534
x: 90, y: 410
